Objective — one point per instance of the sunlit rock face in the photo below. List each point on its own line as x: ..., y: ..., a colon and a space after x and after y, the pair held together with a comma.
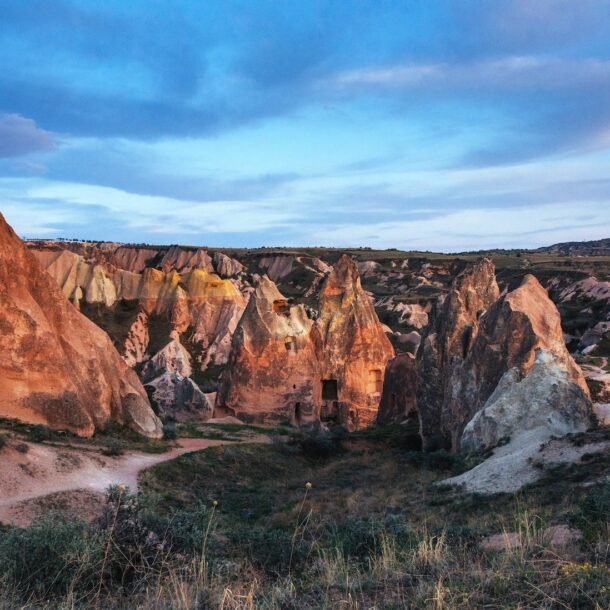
x: 510, y: 332
x: 355, y: 349
x: 273, y: 373
x: 446, y: 345
x: 57, y: 367
x: 194, y: 302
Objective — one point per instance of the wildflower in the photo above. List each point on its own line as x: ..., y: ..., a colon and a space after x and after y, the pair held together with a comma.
x: 308, y: 485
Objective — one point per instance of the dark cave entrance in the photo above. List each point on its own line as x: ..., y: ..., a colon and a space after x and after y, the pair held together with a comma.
x: 298, y: 414
x: 330, y: 389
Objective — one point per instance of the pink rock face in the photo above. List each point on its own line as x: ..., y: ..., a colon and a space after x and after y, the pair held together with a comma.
x: 273, y: 371
x: 285, y: 367
x: 57, y: 367
x: 509, y: 334
x: 355, y: 349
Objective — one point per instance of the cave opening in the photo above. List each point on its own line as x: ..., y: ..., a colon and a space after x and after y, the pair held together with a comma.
x: 375, y: 381
x: 330, y: 389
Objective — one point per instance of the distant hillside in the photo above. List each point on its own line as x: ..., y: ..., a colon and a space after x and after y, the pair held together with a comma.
x: 598, y: 247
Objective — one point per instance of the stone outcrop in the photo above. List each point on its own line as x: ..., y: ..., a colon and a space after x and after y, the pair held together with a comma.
x: 284, y: 366
x: 273, y: 370
x: 482, y: 347
x: 445, y: 347
x: 546, y: 402
x: 57, y: 367
x: 226, y: 266
x: 178, y: 397
x: 355, y: 349
x: 509, y: 334
x: 398, y: 399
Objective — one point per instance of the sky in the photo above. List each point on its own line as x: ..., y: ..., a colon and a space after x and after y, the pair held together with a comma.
x: 444, y: 125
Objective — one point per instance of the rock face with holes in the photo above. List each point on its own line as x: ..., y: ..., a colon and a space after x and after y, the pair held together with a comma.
x: 57, y: 367
x: 355, y: 349
x: 445, y: 348
x: 284, y: 366
x: 273, y: 371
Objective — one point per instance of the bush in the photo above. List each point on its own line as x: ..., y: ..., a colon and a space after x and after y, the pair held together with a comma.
x: 114, y: 447
x: 2, y: 441
x: 22, y: 447
x: 170, y: 433
x: 321, y: 445
x: 41, y: 433
x: 49, y: 557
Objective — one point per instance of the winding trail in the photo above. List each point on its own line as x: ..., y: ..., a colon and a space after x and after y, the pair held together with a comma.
x: 27, y: 478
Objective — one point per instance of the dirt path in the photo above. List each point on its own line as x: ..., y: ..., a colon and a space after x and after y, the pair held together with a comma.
x: 46, y: 471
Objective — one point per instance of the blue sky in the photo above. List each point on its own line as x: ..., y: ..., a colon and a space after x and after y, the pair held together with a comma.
x: 418, y: 124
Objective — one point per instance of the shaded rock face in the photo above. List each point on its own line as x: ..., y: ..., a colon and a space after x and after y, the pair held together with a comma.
x: 398, y: 400
x: 445, y: 347
x: 547, y: 401
x: 273, y: 371
x: 481, y: 343
x: 509, y: 334
x: 57, y: 367
x: 355, y: 349
x: 178, y: 397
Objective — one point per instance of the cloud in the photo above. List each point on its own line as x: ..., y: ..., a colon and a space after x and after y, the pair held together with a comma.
x: 20, y: 136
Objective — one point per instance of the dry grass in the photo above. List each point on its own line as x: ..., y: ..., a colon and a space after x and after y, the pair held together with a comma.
x: 370, y: 533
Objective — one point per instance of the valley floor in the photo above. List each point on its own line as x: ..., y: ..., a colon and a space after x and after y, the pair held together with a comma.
x: 335, y: 521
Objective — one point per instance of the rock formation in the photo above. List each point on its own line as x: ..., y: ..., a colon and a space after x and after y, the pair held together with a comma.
x: 445, y: 348
x: 546, y: 402
x: 355, y: 350
x: 57, y: 367
x: 509, y: 334
x: 482, y: 344
x: 398, y: 400
x: 273, y: 370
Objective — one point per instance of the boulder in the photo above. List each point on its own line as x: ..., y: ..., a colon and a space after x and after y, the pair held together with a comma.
x: 178, y: 397
x: 547, y: 401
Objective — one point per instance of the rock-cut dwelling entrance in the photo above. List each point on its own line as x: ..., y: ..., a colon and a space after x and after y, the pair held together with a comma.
x: 330, y: 389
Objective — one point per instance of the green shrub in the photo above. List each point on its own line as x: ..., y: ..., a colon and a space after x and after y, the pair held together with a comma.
x: 114, y: 447
x: 41, y: 433
x: 170, y: 433
x: 49, y: 557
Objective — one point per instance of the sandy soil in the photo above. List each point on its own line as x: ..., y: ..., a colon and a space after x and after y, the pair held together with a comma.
x: 73, y: 481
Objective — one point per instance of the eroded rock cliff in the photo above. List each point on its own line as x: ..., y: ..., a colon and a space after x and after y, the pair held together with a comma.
x: 56, y: 366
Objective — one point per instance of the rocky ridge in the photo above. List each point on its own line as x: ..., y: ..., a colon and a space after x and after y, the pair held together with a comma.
x: 56, y: 366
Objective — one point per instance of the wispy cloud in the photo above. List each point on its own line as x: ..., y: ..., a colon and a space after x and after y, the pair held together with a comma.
x: 20, y: 136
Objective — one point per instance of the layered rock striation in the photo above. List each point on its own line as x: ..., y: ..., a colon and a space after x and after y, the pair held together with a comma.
x: 286, y: 366
x: 56, y: 366
x: 273, y: 373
